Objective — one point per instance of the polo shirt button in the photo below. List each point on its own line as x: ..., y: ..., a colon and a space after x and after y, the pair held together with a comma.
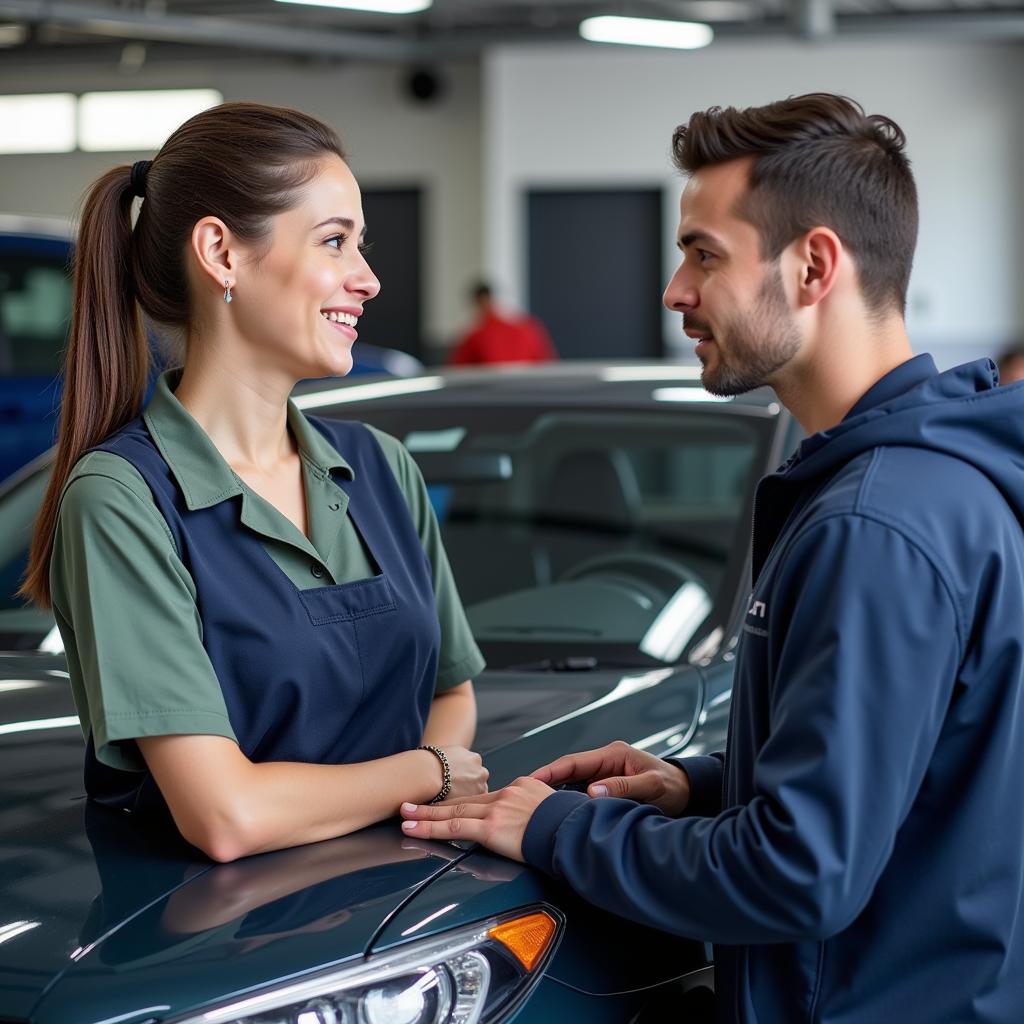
x: 317, y: 569
x: 334, y: 506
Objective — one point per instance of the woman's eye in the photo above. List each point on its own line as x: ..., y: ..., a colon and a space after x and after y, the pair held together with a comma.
x: 340, y: 239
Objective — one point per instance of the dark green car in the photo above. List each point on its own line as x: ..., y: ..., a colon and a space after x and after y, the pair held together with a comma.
x: 597, y: 520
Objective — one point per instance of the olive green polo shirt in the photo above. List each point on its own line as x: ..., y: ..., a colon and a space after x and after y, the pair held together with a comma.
x: 126, y: 605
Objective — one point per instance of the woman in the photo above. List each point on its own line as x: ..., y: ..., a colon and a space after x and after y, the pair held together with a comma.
x: 259, y: 618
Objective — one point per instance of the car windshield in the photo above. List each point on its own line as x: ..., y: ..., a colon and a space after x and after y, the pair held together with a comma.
x: 580, y: 536
x: 577, y: 537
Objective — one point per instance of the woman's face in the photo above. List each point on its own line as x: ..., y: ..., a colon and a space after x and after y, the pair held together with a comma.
x: 300, y: 303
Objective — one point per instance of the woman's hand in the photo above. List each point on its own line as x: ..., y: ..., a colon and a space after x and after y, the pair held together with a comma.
x: 469, y: 776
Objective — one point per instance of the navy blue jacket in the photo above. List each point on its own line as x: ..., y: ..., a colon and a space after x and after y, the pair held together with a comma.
x: 861, y: 859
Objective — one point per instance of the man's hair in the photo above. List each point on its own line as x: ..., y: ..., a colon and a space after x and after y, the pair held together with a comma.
x: 818, y: 161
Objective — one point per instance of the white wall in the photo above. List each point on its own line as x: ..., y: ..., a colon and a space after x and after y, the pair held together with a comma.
x: 605, y: 115
x: 390, y: 140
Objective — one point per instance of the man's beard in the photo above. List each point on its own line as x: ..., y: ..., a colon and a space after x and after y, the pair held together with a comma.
x: 756, y: 345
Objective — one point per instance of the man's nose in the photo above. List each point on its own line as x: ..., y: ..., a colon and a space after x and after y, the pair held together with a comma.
x: 681, y: 295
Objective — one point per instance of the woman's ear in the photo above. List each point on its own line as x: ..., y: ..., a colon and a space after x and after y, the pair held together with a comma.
x: 216, y: 251
x: 820, y: 254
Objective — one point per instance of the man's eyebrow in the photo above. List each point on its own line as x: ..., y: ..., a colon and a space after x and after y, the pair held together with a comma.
x: 692, y: 237
x: 345, y: 222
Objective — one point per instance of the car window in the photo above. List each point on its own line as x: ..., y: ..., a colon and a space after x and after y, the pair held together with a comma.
x: 35, y: 306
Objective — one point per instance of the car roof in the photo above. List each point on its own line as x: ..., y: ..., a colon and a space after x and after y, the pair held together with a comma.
x: 41, y: 227
x: 592, y: 383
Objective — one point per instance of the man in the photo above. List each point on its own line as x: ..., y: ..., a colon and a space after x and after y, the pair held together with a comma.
x: 1011, y: 364
x: 502, y: 339
x: 857, y: 855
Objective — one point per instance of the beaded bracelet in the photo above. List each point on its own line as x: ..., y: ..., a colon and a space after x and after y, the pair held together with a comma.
x: 446, y: 773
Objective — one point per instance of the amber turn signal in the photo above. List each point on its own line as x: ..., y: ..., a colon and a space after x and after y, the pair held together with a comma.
x: 527, y: 938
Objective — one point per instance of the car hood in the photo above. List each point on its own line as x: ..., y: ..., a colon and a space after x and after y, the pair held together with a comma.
x: 111, y: 919
x: 130, y: 924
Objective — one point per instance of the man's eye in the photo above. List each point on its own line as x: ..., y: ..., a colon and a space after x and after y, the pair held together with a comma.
x: 703, y: 255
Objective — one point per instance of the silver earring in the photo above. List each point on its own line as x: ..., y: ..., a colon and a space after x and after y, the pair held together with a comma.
x: 227, y: 292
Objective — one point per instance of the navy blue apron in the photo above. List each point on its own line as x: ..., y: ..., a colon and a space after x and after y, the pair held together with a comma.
x: 331, y: 675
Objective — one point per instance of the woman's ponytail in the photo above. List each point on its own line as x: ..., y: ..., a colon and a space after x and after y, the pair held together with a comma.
x: 107, y: 359
x: 242, y: 162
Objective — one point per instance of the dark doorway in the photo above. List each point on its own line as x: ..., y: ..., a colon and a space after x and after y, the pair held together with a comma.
x: 595, y: 271
x: 393, y: 227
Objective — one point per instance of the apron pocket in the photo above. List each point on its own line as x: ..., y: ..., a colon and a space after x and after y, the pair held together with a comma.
x: 348, y: 601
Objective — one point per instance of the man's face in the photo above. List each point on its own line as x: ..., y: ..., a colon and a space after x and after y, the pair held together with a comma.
x: 733, y: 304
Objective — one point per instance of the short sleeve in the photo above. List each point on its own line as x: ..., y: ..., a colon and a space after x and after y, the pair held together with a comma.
x: 460, y: 657
x: 126, y: 609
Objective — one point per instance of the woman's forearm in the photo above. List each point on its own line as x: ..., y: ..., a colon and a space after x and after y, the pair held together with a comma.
x: 231, y: 807
x: 452, y: 718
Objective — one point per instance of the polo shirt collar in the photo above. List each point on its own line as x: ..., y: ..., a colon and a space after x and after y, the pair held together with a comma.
x: 200, y: 470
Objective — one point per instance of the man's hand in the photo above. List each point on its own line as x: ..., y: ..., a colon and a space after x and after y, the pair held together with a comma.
x: 622, y: 771
x: 497, y: 820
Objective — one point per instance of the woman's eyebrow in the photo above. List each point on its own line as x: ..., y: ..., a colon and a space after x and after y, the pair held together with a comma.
x: 344, y: 222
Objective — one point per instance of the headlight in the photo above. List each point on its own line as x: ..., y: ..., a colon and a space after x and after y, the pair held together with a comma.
x: 474, y: 975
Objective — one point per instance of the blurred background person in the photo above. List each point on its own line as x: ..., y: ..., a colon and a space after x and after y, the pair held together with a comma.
x: 501, y: 337
x: 1011, y: 363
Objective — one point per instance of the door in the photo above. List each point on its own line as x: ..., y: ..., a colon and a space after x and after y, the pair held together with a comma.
x: 395, y: 318
x: 595, y: 271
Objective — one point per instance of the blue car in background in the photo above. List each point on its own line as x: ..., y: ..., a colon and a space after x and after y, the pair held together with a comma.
x: 35, y: 310
x: 35, y: 306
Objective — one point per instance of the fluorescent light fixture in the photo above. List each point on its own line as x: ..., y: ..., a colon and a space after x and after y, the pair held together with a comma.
x: 38, y: 123
x: 674, y: 35
x: 374, y: 6
x: 669, y: 372
x: 142, y: 119
x: 687, y: 395
x: 367, y: 392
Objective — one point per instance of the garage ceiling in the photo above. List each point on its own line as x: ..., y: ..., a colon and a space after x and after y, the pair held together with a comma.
x: 72, y: 30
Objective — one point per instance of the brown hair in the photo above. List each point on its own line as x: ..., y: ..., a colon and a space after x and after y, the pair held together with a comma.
x: 241, y: 162
x: 819, y: 160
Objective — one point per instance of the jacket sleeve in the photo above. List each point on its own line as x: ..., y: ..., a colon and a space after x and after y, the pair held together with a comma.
x: 705, y: 777
x: 863, y: 647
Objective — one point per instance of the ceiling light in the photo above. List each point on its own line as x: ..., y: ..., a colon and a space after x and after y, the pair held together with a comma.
x: 677, y: 35
x: 38, y: 123
x: 375, y: 6
x: 137, y: 120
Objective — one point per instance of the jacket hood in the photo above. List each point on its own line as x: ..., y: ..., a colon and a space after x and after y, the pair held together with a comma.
x: 962, y: 412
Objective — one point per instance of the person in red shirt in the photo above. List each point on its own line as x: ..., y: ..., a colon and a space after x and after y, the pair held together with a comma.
x: 497, y: 338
